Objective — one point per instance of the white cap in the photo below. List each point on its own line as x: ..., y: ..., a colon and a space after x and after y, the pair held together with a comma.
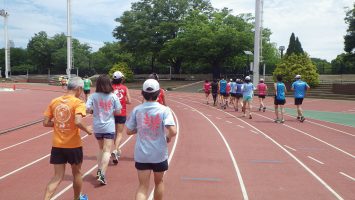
x: 150, y: 86
x: 117, y: 75
x: 298, y: 76
x: 247, y: 78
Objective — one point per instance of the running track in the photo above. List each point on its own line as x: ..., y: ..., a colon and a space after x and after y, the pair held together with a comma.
x: 217, y: 154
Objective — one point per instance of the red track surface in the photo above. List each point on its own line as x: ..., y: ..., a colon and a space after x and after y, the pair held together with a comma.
x: 218, y: 154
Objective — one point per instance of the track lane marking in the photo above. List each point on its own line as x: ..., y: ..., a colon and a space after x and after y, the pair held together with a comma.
x: 87, y: 173
x: 229, y: 122
x: 315, y: 160
x: 351, y: 178
x: 254, y: 131
x: 29, y: 164
x: 287, y: 152
x: 240, y: 126
x: 239, y: 176
x: 290, y: 148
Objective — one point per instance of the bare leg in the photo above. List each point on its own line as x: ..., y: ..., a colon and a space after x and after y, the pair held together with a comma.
x: 277, y: 112
x: 59, y: 171
x: 143, y: 177
x: 119, y: 131
x: 299, y: 111
x: 159, y: 185
x: 282, y: 112
x: 77, y: 180
x: 106, y: 153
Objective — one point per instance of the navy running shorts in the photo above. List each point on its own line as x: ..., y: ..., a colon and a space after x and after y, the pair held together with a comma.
x: 156, y: 167
x: 101, y: 136
x: 66, y: 155
x: 298, y: 101
x: 279, y: 101
x: 120, y: 119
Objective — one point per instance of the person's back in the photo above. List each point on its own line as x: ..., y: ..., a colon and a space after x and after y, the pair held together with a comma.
x: 207, y: 86
x: 63, y: 110
x: 262, y: 88
x: 214, y: 87
x: 233, y: 87
x: 223, y: 86
x: 87, y: 84
x: 248, y: 89
x: 103, y: 106
x: 280, y: 87
x: 120, y: 91
x: 300, y: 88
x: 239, y: 87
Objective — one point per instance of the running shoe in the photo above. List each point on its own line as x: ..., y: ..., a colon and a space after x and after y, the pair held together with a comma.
x: 277, y: 121
x: 115, y: 156
x: 298, y: 117
x: 102, y: 180
x: 302, y: 119
x: 250, y: 117
x: 282, y: 121
x: 264, y: 109
x: 83, y: 197
x: 98, y: 173
x: 259, y: 109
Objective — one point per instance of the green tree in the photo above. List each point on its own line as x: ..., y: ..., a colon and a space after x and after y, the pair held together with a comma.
x: 298, y: 47
x: 350, y: 33
x: 39, y: 51
x: 291, y: 45
x: 323, y: 66
x: 122, y: 67
x: 295, y: 64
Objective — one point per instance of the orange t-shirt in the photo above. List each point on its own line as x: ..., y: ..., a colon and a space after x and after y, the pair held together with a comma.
x: 62, y: 111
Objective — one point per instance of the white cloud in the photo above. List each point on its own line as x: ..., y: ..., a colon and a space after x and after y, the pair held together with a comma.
x: 319, y: 24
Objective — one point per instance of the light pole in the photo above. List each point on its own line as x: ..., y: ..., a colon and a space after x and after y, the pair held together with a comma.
x: 248, y: 53
x: 69, y: 54
x: 281, y: 49
x: 5, y: 14
x: 257, y: 41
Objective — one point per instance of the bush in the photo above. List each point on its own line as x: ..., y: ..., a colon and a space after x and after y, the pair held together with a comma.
x: 122, y: 67
x: 294, y: 64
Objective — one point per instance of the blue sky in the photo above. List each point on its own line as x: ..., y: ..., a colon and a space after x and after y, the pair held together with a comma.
x: 319, y: 24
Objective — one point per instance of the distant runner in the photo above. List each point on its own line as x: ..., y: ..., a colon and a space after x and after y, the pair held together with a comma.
x: 238, y: 94
x: 161, y: 97
x: 123, y: 95
x: 248, y: 94
x: 214, y: 86
x: 233, y: 85
x: 299, y: 87
x: 87, y: 86
x: 262, y: 89
x: 223, y: 92
x: 280, y: 99
x: 207, y: 90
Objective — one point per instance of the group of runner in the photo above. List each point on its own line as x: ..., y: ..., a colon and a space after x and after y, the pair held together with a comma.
x: 108, y: 106
x: 231, y: 92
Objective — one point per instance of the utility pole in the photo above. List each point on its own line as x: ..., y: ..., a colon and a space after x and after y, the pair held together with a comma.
x: 69, y: 43
x: 5, y: 14
x: 257, y: 42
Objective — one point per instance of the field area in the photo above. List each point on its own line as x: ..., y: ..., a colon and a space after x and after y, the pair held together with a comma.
x: 217, y: 154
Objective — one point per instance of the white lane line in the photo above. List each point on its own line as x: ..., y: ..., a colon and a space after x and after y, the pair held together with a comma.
x: 351, y: 178
x: 38, y: 136
x: 229, y: 122
x: 324, y: 142
x: 315, y: 160
x: 254, y: 131
x: 87, y: 173
x: 237, y: 170
x: 209, y: 115
x: 29, y: 164
x: 290, y: 148
x: 240, y: 126
x: 218, y: 118
x: 9, y: 147
x: 289, y: 153
x: 151, y: 195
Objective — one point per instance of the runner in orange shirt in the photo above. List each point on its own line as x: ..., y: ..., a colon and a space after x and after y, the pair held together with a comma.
x: 65, y: 115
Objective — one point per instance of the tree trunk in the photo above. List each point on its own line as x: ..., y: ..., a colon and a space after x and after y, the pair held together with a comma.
x: 177, y: 66
x: 152, y: 64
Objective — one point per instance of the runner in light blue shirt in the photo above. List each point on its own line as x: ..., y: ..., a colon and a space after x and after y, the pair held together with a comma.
x: 223, y: 92
x: 299, y: 87
x: 248, y: 93
x: 149, y: 121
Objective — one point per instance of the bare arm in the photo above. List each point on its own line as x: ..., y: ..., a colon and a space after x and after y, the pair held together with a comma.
x: 47, y: 122
x: 130, y: 132
x: 128, y: 100
x: 171, y: 133
x: 80, y: 125
x: 275, y: 87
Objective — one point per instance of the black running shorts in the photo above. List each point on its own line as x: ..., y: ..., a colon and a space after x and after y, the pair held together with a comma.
x: 66, y: 155
x: 298, y: 101
x: 279, y: 101
x: 120, y: 119
x: 156, y: 167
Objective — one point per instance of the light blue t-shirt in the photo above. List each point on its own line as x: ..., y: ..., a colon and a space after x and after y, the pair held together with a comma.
x: 233, y: 87
x: 150, y: 119
x: 222, y: 86
x: 300, y: 88
x: 104, y: 106
x: 248, y: 90
x: 280, y: 91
